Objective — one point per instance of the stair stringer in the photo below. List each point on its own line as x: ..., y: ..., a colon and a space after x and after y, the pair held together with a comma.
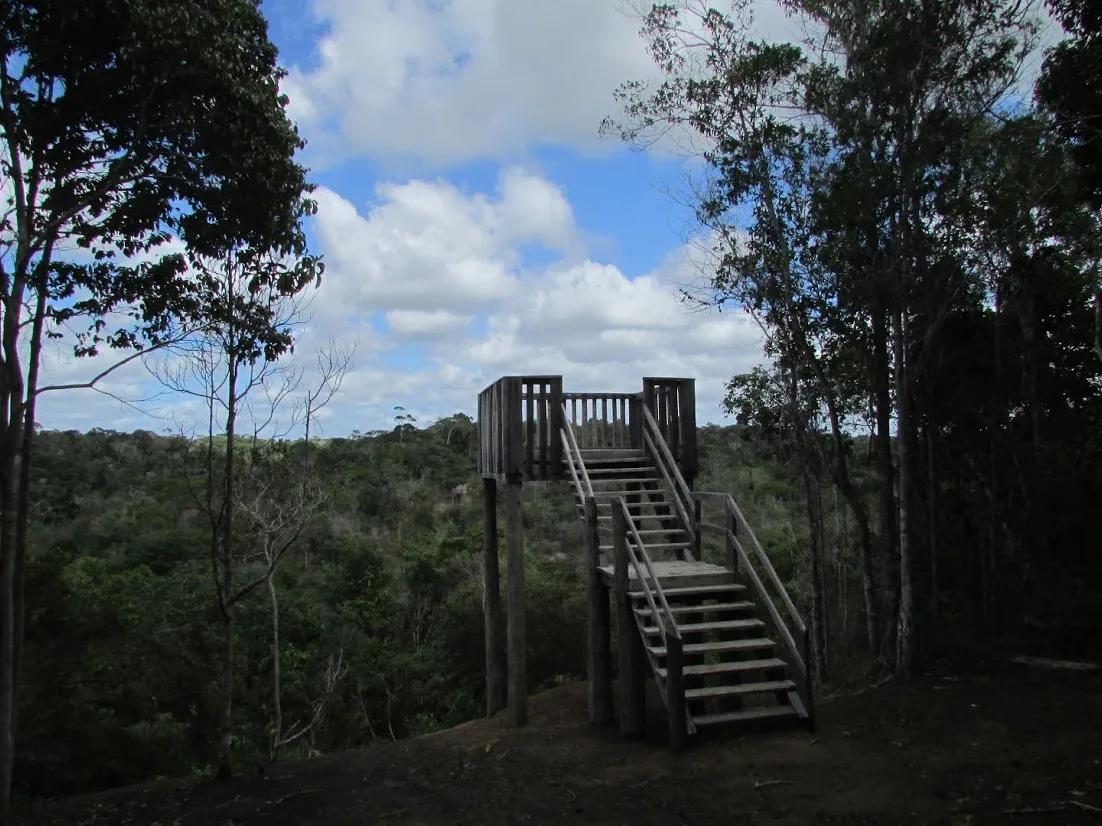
x: 659, y: 680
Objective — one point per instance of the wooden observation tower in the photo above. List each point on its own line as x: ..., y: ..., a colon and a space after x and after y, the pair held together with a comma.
x: 703, y: 630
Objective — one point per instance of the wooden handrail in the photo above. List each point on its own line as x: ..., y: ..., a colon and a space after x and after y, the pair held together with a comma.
x: 668, y: 613
x: 683, y: 496
x: 571, y: 445
x: 770, y: 571
x: 774, y: 614
x: 570, y: 463
x: 800, y: 656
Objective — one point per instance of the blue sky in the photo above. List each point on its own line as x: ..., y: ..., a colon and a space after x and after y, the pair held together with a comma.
x: 472, y: 222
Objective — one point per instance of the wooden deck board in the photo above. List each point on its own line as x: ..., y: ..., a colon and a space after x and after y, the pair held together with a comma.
x: 675, y: 572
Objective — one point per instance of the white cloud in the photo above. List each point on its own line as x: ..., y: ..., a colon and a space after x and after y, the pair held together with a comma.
x: 466, y: 78
x: 445, y: 271
x: 425, y: 324
x: 426, y: 246
x: 445, y: 81
x: 585, y: 320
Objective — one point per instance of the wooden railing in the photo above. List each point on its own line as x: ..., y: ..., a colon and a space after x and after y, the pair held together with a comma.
x: 603, y: 420
x: 672, y: 402
x: 629, y: 549
x: 519, y: 419
x: 583, y: 486
x: 794, y: 633
x: 680, y: 493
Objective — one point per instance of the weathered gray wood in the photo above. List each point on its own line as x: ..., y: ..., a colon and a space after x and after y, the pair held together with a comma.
x: 697, y: 549
x: 491, y: 601
x: 515, y: 632
x: 767, y: 664
x: 743, y: 688
x: 729, y: 539
x: 758, y: 644
x: 629, y: 644
x: 675, y: 693
x: 600, y: 627
x: 758, y: 713
x: 708, y: 627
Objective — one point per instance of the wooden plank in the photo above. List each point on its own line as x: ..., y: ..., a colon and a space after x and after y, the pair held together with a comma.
x: 729, y: 539
x: 689, y: 460
x: 757, y: 644
x: 704, y: 608
x: 632, y: 682
x: 675, y: 694
x: 740, y: 689
x: 530, y: 440
x: 491, y: 601
x: 759, y: 713
x: 544, y: 433
x: 515, y: 632
x: 704, y: 627
x: 766, y: 664
x: 557, y: 425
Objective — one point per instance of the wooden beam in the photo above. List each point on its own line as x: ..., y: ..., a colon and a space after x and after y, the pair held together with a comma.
x: 491, y: 601
x: 675, y: 693
x: 515, y: 631
x: 599, y: 648
x: 629, y: 643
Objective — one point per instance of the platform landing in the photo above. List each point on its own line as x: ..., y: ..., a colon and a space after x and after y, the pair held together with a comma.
x: 676, y: 573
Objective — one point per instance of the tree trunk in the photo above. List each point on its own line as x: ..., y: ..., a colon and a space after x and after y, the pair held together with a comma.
x: 23, y: 516
x: 882, y: 399
x: 225, y: 740
x: 932, y: 503
x: 277, y: 680
x: 12, y: 393
x: 905, y: 620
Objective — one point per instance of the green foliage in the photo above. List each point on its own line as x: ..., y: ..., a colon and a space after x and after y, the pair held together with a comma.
x: 383, y: 587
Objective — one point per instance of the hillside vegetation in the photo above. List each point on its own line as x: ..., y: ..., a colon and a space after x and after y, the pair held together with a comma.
x: 379, y: 610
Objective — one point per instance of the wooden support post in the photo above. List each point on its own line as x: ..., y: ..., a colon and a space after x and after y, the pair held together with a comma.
x: 491, y: 601
x: 809, y: 681
x: 515, y: 632
x: 632, y: 676
x: 696, y: 529
x: 675, y: 692
x: 732, y: 529
x: 599, y: 648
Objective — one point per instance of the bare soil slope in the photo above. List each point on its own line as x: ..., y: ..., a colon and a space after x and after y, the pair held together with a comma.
x: 1016, y: 745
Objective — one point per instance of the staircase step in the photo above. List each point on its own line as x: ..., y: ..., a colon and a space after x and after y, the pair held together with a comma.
x: 635, y: 471
x: 704, y: 591
x: 603, y: 457
x: 632, y: 506
x: 760, y: 713
x: 653, y: 531
x: 702, y: 627
x: 690, y: 648
x: 667, y: 546
x: 733, y: 667
x: 745, y: 605
x: 738, y: 689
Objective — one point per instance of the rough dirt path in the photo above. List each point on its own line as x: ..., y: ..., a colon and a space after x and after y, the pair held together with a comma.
x: 1020, y: 746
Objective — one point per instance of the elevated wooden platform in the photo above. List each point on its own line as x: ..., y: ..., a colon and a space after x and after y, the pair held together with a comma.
x: 675, y: 573
x: 521, y: 422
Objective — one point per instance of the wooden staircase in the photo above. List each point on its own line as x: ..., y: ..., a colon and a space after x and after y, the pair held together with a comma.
x: 730, y: 672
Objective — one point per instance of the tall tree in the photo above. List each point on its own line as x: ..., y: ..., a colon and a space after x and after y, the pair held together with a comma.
x: 121, y: 126
x: 254, y: 305
x: 1070, y: 88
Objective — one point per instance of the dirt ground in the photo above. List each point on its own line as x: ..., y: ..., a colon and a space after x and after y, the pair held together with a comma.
x: 1010, y: 744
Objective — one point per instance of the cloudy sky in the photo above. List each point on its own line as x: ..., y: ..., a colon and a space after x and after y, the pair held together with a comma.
x: 472, y: 222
